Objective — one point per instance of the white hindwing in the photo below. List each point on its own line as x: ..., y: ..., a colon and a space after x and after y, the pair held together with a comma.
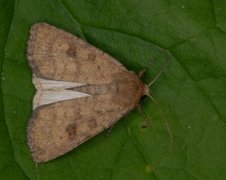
x: 49, y: 91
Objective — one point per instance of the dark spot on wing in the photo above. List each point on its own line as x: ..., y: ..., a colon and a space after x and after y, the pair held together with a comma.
x: 91, y: 57
x: 71, y: 130
x: 71, y: 51
x: 92, y: 123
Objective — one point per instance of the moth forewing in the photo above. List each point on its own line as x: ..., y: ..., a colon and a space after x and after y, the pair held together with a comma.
x: 80, y: 91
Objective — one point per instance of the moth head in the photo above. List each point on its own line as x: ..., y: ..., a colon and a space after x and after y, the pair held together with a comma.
x: 147, y: 90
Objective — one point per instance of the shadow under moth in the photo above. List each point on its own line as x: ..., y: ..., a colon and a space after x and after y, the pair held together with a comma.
x: 80, y: 91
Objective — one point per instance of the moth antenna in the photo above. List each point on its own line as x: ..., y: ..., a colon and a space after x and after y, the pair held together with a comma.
x: 160, y: 72
x: 156, y: 77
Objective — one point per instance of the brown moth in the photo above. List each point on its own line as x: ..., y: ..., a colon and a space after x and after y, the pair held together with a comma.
x: 80, y: 91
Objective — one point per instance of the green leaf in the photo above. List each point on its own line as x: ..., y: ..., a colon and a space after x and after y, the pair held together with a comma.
x: 187, y: 131
x: 9, y: 167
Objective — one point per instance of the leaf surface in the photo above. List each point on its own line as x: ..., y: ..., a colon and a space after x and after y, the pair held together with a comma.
x: 186, y: 135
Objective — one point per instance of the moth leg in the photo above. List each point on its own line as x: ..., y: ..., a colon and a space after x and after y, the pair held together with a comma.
x: 37, y: 171
x: 147, y: 120
x: 166, y: 124
x: 141, y: 73
x: 109, y: 130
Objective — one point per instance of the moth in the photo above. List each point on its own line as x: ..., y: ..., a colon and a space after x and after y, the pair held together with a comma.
x: 80, y: 91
